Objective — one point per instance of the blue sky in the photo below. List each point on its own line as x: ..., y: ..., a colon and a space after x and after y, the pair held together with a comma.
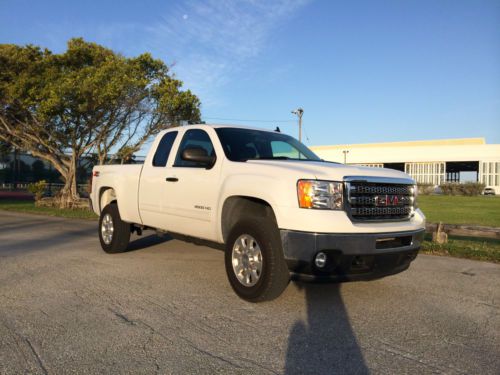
x: 364, y: 71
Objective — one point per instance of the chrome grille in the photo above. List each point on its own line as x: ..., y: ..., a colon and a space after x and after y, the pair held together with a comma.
x: 379, y: 199
x: 381, y: 189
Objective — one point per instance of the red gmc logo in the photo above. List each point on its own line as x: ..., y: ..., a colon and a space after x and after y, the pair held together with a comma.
x: 386, y: 200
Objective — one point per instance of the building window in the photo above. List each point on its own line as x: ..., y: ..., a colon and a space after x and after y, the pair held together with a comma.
x: 490, y: 173
x: 426, y: 173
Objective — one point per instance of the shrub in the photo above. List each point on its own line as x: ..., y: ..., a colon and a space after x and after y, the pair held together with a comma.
x: 37, y: 189
x: 426, y: 189
x: 449, y: 188
x: 473, y: 188
x: 468, y: 188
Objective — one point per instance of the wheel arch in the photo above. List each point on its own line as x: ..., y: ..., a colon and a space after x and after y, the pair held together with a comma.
x: 238, y: 206
x: 107, y: 195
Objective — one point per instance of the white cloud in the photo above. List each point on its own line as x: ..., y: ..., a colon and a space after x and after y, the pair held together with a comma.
x: 218, y: 39
x: 208, y: 42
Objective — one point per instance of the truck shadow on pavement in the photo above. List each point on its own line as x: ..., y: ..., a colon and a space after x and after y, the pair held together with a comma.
x: 147, y: 241
x: 325, y: 343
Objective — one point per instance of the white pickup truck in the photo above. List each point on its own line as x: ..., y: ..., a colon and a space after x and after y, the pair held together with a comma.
x: 278, y: 210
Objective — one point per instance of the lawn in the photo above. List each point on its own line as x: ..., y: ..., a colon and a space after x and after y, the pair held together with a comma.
x: 448, y: 209
x: 482, y: 210
x: 29, y: 207
x: 465, y: 247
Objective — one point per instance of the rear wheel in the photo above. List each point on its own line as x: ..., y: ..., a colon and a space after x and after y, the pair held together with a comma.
x: 114, y: 234
x: 255, y: 265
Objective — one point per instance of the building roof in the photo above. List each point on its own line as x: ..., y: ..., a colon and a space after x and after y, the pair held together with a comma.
x: 434, y: 142
x: 439, y: 150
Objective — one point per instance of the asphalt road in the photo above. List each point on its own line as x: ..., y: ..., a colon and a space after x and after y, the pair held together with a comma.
x: 166, y: 307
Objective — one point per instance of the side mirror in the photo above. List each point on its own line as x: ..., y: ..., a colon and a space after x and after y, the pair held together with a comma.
x: 198, y: 155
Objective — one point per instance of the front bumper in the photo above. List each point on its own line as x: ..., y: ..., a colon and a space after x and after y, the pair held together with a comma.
x: 352, y: 256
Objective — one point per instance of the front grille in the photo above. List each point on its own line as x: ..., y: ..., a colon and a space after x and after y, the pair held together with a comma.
x: 377, y: 201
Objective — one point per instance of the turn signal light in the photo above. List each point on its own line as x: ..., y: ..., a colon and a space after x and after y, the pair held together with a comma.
x: 306, y: 193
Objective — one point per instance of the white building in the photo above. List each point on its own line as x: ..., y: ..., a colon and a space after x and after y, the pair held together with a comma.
x: 432, y: 162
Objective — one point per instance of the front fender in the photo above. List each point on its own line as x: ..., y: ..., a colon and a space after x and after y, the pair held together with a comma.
x: 266, y: 188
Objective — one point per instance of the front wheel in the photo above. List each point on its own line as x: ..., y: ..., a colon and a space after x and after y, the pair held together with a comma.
x: 254, y: 260
x: 114, y: 234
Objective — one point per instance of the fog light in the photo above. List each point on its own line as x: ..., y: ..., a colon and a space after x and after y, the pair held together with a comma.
x: 320, y: 260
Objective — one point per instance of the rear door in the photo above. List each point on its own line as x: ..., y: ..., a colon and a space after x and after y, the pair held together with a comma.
x: 153, y: 189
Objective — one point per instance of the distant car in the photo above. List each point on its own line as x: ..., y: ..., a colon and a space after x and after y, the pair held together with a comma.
x: 489, y: 191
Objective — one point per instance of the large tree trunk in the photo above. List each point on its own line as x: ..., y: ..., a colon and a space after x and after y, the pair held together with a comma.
x: 101, y: 155
x: 65, y: 165
x: 69, y: 193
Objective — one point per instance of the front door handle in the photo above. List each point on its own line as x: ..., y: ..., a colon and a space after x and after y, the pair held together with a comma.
x: 171, y: 179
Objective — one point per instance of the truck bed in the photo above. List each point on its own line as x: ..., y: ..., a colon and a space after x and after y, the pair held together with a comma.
x: 125, y: 180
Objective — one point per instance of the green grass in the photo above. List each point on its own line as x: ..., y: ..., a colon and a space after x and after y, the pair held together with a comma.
x: 29, y: 207
x: 482, y: 210
x: 465, y: 247
x: 449, y: 210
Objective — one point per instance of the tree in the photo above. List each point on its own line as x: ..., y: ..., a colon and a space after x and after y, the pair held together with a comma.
x: 60, y: 107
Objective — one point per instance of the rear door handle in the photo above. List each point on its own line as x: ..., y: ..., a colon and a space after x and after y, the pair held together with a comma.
x: 171, y: 179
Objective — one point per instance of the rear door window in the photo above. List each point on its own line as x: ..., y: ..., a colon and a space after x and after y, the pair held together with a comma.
x: 163, y: 150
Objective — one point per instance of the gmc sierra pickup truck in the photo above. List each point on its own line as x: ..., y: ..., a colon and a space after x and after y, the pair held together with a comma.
x: 277, y: 209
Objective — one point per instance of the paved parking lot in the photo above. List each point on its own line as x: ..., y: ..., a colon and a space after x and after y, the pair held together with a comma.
x: 166, y: 307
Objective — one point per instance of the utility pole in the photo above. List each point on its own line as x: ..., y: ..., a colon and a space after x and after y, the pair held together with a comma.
x: 299, y: 112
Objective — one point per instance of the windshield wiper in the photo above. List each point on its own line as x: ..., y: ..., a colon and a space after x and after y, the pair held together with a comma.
x: 274, y: 158
x: 269, y: 158
x: 278, y: 158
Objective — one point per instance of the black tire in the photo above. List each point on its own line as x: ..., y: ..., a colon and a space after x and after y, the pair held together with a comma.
x: 274, y: 276
x: 121, y: 231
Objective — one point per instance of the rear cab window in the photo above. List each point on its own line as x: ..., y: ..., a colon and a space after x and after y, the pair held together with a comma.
x: 163, y: 149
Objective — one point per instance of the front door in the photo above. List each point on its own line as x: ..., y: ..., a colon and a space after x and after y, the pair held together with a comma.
x: 191, y: 202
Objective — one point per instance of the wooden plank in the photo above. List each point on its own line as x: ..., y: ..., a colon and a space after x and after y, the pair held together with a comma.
x: 466, y: 230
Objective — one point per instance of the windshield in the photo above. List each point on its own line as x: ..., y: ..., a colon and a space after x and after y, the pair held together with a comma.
x: 249, y: 144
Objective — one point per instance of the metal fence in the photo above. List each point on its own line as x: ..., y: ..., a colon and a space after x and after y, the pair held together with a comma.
x: 51, y: 189
x: 18, y: 169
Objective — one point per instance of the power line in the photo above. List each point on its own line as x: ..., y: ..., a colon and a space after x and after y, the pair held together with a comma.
x: 307, y: 136
x: 246, y: 120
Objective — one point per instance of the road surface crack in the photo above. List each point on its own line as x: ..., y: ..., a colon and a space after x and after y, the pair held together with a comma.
x: 37, y: 356
x: 123, y: 317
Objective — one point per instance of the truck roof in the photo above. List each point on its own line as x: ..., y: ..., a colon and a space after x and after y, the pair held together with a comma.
x: 222, y: 126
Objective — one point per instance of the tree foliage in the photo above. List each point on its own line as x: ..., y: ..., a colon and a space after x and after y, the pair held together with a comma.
x: 88, y: 99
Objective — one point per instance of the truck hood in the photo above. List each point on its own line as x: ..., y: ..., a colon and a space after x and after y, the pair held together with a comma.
x: 321, y: 170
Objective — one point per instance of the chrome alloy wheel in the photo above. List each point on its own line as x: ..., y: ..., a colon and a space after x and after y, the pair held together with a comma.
x: 247, y: 260
x: 107, y: 229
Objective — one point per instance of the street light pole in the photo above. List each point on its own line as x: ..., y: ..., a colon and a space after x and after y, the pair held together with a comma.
x: 345, y: 155
x: 299, y: 112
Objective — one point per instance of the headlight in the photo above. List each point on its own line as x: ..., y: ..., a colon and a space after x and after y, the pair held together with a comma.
x: 415, y: 195
x: 325, y: 195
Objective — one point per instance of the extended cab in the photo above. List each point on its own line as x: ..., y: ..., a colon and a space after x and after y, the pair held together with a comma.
x: 278, y: 210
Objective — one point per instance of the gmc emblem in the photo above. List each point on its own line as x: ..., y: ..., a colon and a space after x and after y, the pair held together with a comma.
x: 386, y: 200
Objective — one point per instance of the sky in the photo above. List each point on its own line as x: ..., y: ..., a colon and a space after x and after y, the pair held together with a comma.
x: 363, y: 71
